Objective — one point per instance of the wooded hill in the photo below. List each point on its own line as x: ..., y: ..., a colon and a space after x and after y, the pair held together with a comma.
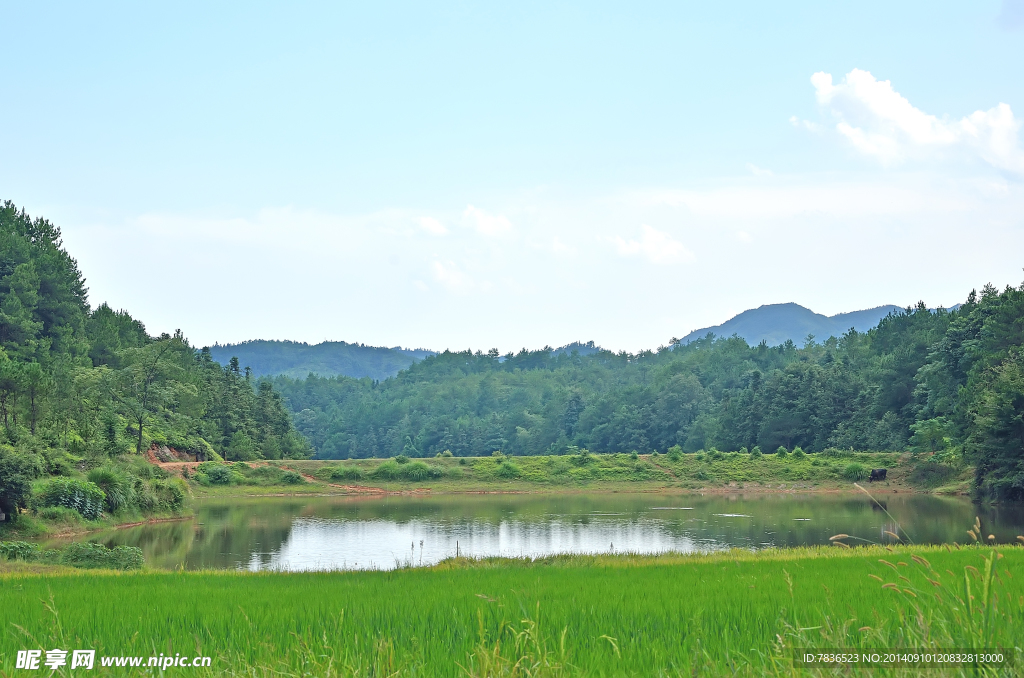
x: 948, y: 382
x: 80, y: 385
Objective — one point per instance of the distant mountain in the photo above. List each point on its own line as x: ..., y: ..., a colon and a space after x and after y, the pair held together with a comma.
x: 775, y: 323
x: 328, y: 359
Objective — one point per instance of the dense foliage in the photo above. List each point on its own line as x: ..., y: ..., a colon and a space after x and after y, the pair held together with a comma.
x: 80, y: 387
x: 87, y: 555
x: 922, y: 380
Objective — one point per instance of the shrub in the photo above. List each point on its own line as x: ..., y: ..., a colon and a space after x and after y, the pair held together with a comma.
x: 634, y: 455
x: 781, y: 452
x: 59, y: 514
x: 508, y: 470
x: 16, y: 473
x: 214, y: 473
x: 798, y: 452
x: 930, y: 473
x: 756, y: 453
x: 446, y: 453
x: 743, y: 450
x: 402, y: 459
x: 90, y: 555
x: 388, y: 470
x: 85, y: 497
x: 291, y: 478
x: 417, y: 470
x: 855, y: 472
x: 675, y: 453
x: 119, y: 488
x: 836, y: 453
x: 18, y: 550
x: 714, y: 455
x: 170, y: 494
x: 347, y: 473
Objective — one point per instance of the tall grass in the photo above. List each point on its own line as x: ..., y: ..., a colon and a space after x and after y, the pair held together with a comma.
x: 736, y: 613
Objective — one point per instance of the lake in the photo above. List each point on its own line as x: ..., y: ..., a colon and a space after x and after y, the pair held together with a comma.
x: 323, y: 533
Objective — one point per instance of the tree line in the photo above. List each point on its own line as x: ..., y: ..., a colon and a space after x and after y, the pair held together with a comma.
x: 929, y: 381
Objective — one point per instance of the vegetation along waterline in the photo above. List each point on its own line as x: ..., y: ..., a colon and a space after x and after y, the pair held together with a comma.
x: 728, y: 613
x: 580, y: 471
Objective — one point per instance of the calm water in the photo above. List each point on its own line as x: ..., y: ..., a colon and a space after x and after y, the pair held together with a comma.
x: 345, y: 533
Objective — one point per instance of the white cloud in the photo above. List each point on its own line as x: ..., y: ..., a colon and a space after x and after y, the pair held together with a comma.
x: 806, y: 124
x: 486, y: 224
x: 449, y: 275
x: 880, y: 122
x: 432, y: 226
x: 656, y: 245
x: 759, y: 171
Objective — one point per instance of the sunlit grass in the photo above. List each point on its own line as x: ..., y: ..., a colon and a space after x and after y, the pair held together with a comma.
x: 572, y: 615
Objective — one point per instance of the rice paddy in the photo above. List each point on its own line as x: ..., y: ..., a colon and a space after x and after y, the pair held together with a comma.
x: 729, y: 613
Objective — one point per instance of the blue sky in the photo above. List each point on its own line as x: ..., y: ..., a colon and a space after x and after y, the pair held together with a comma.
x: 476, y: 175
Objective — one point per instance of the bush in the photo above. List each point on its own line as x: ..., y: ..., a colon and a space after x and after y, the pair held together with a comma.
x: 291, y: 478
x: 17, y: 471
x: 170, y: 494
x: 744, y: 450
x: 634, y: 455
x: 446, y: 453
x: 59, y: 514
x: 798, y: 452
x: 402, y: 459
x: 508, y: 470
x: 18, y: 550
x: 347, y: 473
x: 756, y: 453
x: 675, y: 453
x: 90, y: 555
x: 836, y: 453
x: 929, y: 473
x: 119, y: 488
x: 781, y: 452
x: 212, y: 473
x: 85, y: 497
x: 415, y: 471
x: 388, y: 470
x: 714, y: 455
x: 855, y: 472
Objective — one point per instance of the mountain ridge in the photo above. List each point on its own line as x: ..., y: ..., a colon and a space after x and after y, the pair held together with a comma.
x: 777, y: 323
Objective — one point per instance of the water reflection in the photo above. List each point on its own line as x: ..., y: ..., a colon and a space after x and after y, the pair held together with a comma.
x: 331, y: 533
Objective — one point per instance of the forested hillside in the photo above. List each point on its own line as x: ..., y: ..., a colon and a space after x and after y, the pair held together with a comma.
x: 326, y: 359
x: 922, y: 380
x: 80, y: 386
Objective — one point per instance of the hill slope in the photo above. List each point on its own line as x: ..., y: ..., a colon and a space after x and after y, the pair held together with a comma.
x: 776, y: 323
x: 327, y: 359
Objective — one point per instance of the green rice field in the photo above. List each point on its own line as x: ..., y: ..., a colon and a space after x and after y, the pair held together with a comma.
x: 734, y: 613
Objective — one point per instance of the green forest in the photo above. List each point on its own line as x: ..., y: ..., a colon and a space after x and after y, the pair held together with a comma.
x: 929, y: 381
x: 82, y: 387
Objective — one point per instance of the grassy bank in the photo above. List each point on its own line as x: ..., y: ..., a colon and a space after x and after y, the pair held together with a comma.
x: 612, y: 472
x: 573, y: 616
